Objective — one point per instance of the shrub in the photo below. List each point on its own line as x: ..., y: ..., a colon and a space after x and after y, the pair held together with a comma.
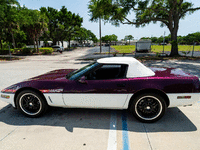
x: 4, y: 52
x: 27, y: 51
x: 115, y: 53
x: 46, y: 50
x: 12, y: 51
x: 23, y: 51
x: 19, y: 44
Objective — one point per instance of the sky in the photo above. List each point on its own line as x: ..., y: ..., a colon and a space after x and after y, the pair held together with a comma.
x: 190, y: 24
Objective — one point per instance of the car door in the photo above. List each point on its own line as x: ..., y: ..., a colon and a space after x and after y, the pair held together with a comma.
x: 97, y: 93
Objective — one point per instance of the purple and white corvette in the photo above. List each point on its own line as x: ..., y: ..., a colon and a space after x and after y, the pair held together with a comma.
x: 108, y: 83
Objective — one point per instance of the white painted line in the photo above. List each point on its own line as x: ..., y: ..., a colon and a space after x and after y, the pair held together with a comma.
x: 112, y: 139
x: 125, y: 131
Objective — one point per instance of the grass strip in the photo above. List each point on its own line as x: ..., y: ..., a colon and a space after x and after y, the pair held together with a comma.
x: 155, y: 48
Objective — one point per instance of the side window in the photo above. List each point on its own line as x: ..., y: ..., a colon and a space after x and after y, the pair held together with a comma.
x: 109, y: 71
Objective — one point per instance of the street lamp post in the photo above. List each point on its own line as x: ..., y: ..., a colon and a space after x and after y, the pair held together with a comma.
x: 100, y: 33
x: 193, y: 49
x: 163, y: 42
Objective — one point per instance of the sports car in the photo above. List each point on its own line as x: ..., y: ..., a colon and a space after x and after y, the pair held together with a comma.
x: 108, y: 83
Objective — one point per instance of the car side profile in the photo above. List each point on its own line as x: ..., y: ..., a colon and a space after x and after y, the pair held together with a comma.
x: 108, y: 83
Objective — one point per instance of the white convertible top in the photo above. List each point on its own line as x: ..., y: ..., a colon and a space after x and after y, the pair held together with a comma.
x: 135, y: 68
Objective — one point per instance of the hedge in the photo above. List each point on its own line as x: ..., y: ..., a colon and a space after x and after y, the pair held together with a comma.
x: 46, y: 50
x: 27, y: 51
x: 5, y: 51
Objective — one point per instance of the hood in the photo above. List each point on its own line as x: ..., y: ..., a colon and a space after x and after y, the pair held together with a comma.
x: 169, y: 72
x: 53, y: 75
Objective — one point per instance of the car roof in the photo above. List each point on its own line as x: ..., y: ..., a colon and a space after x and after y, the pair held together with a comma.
x: 116, y: 60
x: 135, y: 69
x: 56, y: 46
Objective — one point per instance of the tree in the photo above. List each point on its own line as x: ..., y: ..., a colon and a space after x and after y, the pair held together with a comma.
x: 35, y: 23
x: 105, y: 38
x: 109, y: 38
x: 128, y: 37
x: 8, y: 19
x: 91, y: 36
x: 160, y: 39
x: 62, y: 24
x: 154, y: 39
x: 192, y: 38
x: 52, y: 15
x: 83, y: 35
x: 168, y: 12
x: 70, y: 23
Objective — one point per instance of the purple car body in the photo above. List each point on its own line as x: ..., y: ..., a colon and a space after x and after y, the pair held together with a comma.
x: 146, y: 92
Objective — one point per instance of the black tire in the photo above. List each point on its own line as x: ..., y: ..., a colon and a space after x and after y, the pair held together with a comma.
x: 148, y: 107
x: 31, y: 103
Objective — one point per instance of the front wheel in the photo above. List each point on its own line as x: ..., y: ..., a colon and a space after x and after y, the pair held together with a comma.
x: 31, y: 103
x: 148, y: 107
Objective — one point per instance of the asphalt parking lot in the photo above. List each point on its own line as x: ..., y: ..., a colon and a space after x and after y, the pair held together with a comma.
x: 89, y: 129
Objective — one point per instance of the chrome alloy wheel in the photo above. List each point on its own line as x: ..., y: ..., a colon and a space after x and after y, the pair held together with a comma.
x: 148, y: 107
x: 30, y: 104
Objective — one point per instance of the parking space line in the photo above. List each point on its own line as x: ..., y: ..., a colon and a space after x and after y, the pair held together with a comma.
x: 125, y: 131
x: 112, y: 139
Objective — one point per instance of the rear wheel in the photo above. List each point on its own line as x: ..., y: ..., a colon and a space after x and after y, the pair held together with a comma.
x: 148, y: 107
x: 31, y: 103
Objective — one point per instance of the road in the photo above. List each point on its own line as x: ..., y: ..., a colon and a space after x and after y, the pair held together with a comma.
x: 89, y: 129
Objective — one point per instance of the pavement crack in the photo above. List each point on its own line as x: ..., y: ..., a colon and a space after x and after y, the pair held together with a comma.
x: 8, y: 134
x: 147, y: 137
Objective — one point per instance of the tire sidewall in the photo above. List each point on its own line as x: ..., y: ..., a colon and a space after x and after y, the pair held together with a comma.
x: 138, y: 98
x: 43, y: 103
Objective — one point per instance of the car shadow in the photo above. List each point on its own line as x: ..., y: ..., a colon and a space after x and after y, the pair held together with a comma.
x: 173, y: 121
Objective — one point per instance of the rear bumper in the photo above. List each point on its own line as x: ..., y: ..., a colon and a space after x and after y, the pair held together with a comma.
x: 183, y: 99
x: 8, y: 97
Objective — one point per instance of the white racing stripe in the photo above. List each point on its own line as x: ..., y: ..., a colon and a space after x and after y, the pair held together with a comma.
x: 112, y: 139
x: 86, y: 100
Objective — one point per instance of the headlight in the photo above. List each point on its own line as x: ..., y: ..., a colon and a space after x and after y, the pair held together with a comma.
x: 10, y: 89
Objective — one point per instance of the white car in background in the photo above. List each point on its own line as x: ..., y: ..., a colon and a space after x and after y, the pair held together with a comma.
x: 58, y: 48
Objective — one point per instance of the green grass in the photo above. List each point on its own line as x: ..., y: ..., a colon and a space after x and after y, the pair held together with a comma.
x: 124, y: 48
x: 154, y: 48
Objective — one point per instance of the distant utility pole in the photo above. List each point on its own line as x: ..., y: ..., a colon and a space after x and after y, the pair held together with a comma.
x: 163, y: 42
x: 193, y: 49
x: 100, y: 33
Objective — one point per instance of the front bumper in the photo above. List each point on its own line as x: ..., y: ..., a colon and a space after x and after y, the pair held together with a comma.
x: 8, y: 97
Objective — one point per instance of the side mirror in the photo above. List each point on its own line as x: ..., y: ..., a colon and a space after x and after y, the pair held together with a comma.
x: 82, y: 80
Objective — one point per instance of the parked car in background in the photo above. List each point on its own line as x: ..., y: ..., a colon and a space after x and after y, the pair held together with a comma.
x: 107, y: 44
x: 58, y: 48
x: 108, y: 83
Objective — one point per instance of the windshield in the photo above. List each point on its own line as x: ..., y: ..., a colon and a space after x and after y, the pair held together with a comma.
x: 78, y: 73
